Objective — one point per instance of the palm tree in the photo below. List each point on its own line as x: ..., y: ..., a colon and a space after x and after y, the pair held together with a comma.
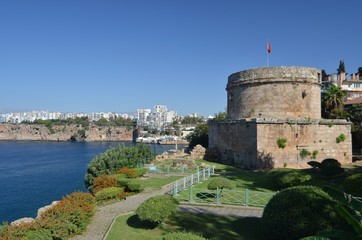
x: 333, y: 99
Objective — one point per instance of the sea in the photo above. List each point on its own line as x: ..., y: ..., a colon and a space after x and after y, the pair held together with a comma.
x: 33, y: 174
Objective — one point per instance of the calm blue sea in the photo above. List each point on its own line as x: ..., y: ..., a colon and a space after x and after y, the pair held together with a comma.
x: 33, y: 174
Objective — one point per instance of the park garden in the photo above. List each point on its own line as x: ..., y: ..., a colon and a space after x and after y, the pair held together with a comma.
x: 313, y: 203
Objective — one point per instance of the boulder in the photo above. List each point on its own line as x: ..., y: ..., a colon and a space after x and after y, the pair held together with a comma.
x: 22, y: 221
x: 46, y: 208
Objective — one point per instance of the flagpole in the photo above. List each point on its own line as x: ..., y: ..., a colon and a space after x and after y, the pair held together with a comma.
x: 267, y: 53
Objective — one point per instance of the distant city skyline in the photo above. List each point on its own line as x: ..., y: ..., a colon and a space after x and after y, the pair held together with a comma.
x: 117, y: 56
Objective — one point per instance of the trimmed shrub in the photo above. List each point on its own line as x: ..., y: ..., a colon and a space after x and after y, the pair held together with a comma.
x: 299, y: 212
x: 108, y: 193
x: 220, y: 183
x: 140, y: 171
x: 353, y: 185
x: 104, y: 181
x: 122, y: 182
x: 330, y: 167
x: 286, y: 177
x: 123, y: 170
x: 131, y: 173
x: 182, y: 236
x: 115, y: 158
x: 124, y: 195
x: 157, y: 209
x: 314, y: 164
x: 134, y: 187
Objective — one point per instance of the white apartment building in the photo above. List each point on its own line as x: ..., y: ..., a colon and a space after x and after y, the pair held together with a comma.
x: 143, y: 116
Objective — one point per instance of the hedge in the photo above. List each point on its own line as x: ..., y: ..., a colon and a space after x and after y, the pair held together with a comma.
x: 353, y: 185
x: 108, y: 193
x: 286, y: 177
x: 300, y: 211
x: 157, y: 209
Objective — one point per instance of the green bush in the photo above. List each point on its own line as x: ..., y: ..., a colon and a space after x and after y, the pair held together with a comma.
x: 314, y: 164
x: 43, y: 234
x: 330, y: 167
x: 304, y: 153
x: 140, y: 171
x: 102, y: 182
x: 70, y: 216
x: 220, y: 183
x: 157, y: 209
x: 341, y: 138
x: 115, y: 158
x: 108, y: 193
x: 122, y: 182
x: 299, y: 212
x: 134, y: 187
x: 182, y: 236
x: 282, y: 142
x: 353, y: 185
x: 286, y: 177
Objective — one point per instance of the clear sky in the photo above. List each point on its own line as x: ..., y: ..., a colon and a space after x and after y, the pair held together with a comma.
x: 120, y: 55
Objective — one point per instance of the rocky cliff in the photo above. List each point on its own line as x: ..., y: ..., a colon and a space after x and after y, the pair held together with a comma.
x: 64, y: 133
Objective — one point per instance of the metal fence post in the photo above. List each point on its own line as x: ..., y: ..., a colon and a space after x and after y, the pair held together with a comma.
x: 192, y: 180
x: 217, y: 195
x: 203, y: 174
x: 213, y: 169
x: 190, y: 193
x: 208, y: 172
x: 198, y: 176
x: 174, y: 190
x: 184, y: 183
x: 246, y: 197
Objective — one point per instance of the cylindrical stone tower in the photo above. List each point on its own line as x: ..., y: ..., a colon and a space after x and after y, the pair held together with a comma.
x: 274, y: 92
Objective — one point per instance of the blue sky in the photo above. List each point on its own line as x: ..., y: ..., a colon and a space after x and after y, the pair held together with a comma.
x: 92, y: 56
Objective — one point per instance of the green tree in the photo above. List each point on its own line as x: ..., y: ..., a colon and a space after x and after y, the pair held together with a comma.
x: 199, y: 136
x: 355, y: 113
x: 333, y: 99
x: 341, y: 67
x: 220, y: 116
x: 115, y: 158
x: 191, y: 120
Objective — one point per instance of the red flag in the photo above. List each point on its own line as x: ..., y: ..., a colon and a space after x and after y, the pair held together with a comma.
x: 268, y: 47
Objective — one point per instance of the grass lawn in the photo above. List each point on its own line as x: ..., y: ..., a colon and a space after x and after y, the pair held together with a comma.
x: 210, y: 226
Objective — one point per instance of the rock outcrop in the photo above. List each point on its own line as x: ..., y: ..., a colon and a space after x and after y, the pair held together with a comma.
x: 64, y: 133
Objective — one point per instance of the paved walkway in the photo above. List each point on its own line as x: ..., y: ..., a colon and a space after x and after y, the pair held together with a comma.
x: 105, y: 215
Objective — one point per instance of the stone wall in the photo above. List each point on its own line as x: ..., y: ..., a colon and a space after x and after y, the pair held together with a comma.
x: 234, y: 142
x: 318, y: 136
x: 63, y: 133
x: 274, y: 92
x: 252, y: 143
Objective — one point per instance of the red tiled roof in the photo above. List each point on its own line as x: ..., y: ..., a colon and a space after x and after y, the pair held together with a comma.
x: 353, y: 101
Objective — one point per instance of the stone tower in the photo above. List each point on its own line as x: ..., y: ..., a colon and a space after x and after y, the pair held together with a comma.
x: 267, y: 104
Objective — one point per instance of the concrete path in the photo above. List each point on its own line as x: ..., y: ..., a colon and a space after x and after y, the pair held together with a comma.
x: 105, y: 215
